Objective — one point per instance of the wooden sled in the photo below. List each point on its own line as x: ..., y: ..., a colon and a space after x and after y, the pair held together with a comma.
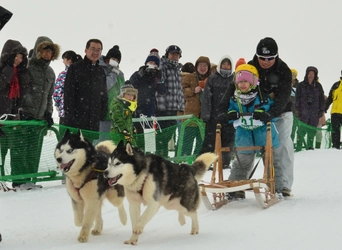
x: 264, y: 189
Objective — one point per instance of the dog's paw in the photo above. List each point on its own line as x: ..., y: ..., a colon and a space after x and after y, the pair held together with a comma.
x: 138, y: 230
x: 95, y: 232
x: 194, y: 231
x: 133, y: 240
x: 82, y: 238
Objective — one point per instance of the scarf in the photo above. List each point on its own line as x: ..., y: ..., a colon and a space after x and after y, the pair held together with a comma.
x: 14, y: 91
x: 246, y: 98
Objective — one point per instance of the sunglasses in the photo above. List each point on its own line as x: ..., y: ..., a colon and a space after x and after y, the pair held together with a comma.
x: 268, y: 58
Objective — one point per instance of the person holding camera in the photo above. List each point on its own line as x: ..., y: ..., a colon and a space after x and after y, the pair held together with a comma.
x: 309, y: 107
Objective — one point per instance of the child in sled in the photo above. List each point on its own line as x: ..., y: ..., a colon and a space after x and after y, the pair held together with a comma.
x: 250, y: 130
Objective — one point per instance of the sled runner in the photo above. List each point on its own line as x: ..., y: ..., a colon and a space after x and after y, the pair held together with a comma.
x: 264, y: 188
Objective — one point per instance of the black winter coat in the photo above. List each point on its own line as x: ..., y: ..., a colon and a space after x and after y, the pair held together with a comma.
x: 12, y: 48
x: 85, y: 95
x: 214, y: 91
x: 309, y: 102
x: 276, y: 83
x: 147, y: 86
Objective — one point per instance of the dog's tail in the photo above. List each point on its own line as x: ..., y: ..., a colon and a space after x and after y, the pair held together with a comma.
x: 106, y: 146
x: 202, y: 163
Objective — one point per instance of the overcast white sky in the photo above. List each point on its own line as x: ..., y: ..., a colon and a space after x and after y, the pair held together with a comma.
x: 307, y: 31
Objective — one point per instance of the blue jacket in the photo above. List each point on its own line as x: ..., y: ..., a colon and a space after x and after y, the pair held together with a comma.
x: 255, y: 137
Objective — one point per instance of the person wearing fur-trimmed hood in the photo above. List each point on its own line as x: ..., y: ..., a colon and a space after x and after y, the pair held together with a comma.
x: 37, y: 104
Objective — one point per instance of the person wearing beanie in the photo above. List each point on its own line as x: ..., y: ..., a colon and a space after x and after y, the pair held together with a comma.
x: 171, y: 100
x: 153, y: 57
x: 275, y: 81
x: 240, y: 62
x: 212, y: 108
x: 121, y: 113
x: 115, y: 80
x: 253, y: 132
x: 193, y: 85
x: 147, y: 81
x: 310, y: 106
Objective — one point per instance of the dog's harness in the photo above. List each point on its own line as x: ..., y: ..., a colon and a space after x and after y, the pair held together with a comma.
x: 142, y: 186
x: 90, y: 177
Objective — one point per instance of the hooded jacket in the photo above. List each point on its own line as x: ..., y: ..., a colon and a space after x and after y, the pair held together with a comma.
x: 12, y: 48
x: 42, y: 79
x: 310, y: 103
x: 214, y: 90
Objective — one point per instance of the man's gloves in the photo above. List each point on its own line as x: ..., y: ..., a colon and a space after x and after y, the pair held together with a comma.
x: 260, y: 114
x: 48, y: 118
x: 127, y: 135
x: 233, y: 115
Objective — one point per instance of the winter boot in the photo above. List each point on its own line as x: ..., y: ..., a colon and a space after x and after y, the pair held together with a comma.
x: 286, y: 192
x: 318, y: 145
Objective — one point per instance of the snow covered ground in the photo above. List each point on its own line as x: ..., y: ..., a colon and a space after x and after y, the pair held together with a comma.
x: 311, y: 219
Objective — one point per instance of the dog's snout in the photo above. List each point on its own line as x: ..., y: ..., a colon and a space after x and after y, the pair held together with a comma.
x: 59, y: 160
x: 105, y: 173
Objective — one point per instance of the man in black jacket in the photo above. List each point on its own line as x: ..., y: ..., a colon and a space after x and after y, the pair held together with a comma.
x: 275, y: 81
x: 85, y: 91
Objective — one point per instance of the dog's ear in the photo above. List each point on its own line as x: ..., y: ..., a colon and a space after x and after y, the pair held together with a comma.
x: 79, y: 133
x: 129, y: 149
x: 66, y: 133
x: 121, y: 144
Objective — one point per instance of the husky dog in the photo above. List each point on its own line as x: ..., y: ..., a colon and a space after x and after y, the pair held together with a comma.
x: 154, y: 182
x: 83, y: 165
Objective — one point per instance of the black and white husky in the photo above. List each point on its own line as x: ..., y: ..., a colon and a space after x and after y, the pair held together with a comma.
x: 154, y: 181
x: 83, y: 165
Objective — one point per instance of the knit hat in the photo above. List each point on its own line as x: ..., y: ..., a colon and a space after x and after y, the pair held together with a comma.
x: 248, y: 73
x: 172, y: 49
x: 114, y: 53
x: 267, y: 47
x: 188, y: 67
x: 239, y: 62
x: 153, y: 56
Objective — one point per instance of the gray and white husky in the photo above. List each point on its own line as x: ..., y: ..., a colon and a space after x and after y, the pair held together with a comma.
x: 83, y: 165
x: 154, y: 181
